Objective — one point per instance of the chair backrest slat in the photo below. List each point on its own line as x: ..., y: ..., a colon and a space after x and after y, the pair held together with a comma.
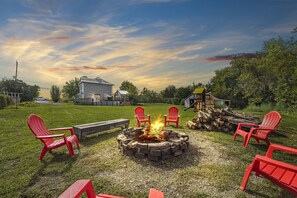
x: 271, y: 120
x: 139, y: 111
x: 38, y: 128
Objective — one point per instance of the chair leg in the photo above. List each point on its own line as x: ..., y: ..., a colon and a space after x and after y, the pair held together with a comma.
x: 70, y: 148
x: 246, y: 177
x: 234, y: 137
x: 267, y: 141
x: 43, y: 152
x: 247, y: 139
x: 76, y: 141
x: 176, y: 124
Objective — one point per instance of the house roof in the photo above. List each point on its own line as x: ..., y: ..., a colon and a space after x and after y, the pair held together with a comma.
x: 97, y: 80
x: 198, y: 90
x: 123, y: 92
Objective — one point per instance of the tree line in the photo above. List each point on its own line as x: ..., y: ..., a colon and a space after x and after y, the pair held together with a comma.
x: 270, y: 77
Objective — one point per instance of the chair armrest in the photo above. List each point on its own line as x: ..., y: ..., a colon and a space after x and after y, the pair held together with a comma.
x: 276, y: 162
x: 275, y: 147
x: 247, y: 124
x: 60, y: 129
x: 50, y: 136
x: 63, y: 129
x: 78, y: 188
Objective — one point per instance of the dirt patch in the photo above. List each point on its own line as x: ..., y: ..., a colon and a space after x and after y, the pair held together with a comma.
x: 173, y: 176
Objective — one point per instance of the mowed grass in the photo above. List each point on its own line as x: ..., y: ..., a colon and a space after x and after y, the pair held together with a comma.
x: 213, y: 166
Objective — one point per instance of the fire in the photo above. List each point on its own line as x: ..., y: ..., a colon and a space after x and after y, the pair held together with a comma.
x: 154, y: 131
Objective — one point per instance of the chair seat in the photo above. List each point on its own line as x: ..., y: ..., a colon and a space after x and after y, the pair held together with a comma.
x: 60, y: 142
x: 171, y: 120
x: 285, y: 176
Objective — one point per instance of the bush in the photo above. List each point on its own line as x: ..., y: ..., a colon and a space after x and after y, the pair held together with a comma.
x: 3, y: 101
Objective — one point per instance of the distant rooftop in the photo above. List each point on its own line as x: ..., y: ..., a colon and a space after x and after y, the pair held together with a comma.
x: 96, y: 80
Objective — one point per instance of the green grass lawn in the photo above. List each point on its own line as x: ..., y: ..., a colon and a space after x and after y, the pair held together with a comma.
x: 213, y: 166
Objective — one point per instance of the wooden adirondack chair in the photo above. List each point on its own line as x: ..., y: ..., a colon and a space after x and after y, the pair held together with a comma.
x: 38, y: 128
x: 141, y: 117
x: 259, y: 131
x: 85, y: 186
x: 282, y: 174
x: 172, y: 116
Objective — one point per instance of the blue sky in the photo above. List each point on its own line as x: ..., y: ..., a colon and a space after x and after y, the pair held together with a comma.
x: 152, y: 43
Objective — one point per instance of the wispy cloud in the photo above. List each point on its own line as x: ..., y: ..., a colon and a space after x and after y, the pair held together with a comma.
x: 86, y: 68
x: 59, y: 38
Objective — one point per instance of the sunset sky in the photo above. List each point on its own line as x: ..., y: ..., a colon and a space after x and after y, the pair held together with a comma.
x: 151, y: 43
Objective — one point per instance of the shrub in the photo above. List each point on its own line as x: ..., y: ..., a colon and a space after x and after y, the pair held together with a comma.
x: 3, y: 101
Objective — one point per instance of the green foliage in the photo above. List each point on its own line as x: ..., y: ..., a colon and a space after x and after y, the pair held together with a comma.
x: 28, y: 92
x: 71, y: 89
x: 55, y: 93
x: 268, y: 78
x: 130, y: 87
x: 169, y: 92
x: 3, y: 101
x: 132, y: 90
x: 150, y: 96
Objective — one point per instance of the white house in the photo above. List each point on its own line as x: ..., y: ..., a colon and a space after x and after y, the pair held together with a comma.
x: 94, y: 90
x: 121, y: 95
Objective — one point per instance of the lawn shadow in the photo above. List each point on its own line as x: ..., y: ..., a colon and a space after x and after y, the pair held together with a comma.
x: 50, y: 169
x: 260, y: 146
x: 255, y: 193
x: 283, y: 194
x: 191, y: 157
x: 100, y: 137
x: 278, y: 134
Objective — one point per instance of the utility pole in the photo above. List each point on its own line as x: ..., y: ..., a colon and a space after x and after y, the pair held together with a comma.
x: 16, y: 70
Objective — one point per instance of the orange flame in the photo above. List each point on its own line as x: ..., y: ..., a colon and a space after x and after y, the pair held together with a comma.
x: 154, y: 131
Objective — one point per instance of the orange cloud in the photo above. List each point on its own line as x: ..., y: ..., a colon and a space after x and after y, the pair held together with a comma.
x: 59, y: 38
x: 90, y: 68
x: 229, y: 57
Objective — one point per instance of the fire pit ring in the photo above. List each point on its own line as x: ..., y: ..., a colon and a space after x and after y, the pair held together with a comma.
x: 174, y: 144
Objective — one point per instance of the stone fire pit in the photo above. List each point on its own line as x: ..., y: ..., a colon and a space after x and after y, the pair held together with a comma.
x: 132, y: 143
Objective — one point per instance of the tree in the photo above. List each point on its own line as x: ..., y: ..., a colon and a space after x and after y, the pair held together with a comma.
x: 268, y: 78
x: 149, y: 96
x: 183, y: 92
x: 71, y: 89
x: 169, y: 92
x: 128, y: 86
x: 55, y: 93
x: 132, y: 90
x: 225, y: 84
x: 28, y: 92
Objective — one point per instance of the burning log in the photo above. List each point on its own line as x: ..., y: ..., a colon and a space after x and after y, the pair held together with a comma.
x: 219, y: 120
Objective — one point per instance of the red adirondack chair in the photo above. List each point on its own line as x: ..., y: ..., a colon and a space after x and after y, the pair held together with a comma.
x: 282, y: 174
x: 85, y: 185
x: 259, y: 131
x: 172, y: 116
x: 141, y: 117
x: 38, y: 128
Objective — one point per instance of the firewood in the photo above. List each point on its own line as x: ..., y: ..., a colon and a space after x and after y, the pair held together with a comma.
x: 207, y: 127
x: 219, y: 121
x: 198, y: 125
x: 215, y: 125
x: 191, y: 124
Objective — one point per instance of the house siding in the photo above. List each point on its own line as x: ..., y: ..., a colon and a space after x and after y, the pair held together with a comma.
x: 91, y: 88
